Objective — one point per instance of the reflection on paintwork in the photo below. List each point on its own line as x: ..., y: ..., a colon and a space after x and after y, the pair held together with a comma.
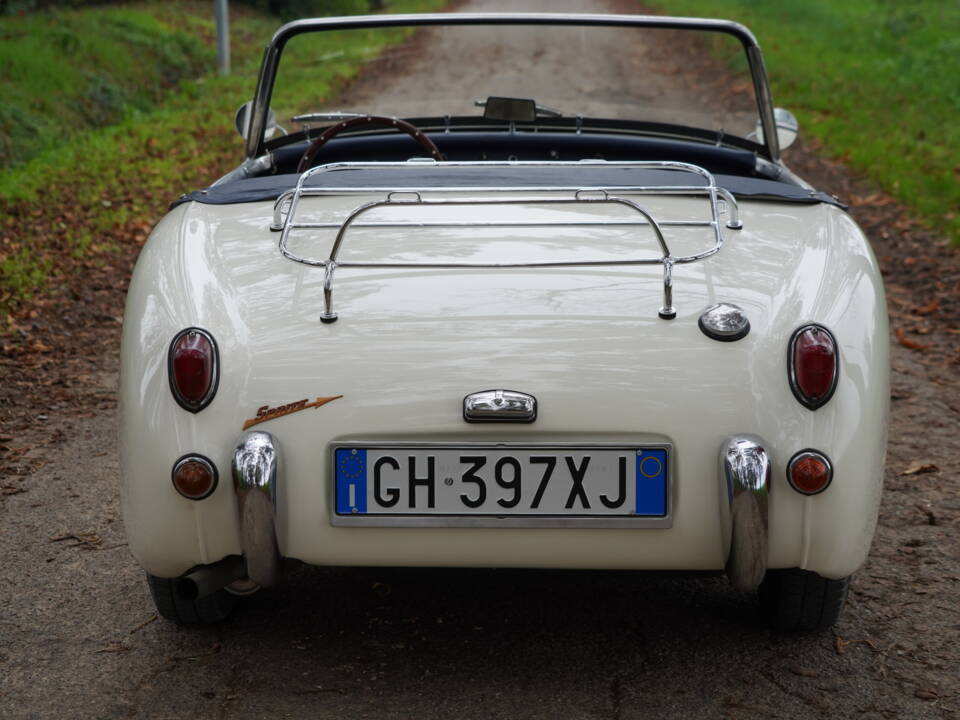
x: 585, y: 342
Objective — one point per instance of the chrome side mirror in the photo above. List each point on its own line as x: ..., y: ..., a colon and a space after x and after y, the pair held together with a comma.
x: 787, y: 128
x: 244, y: 115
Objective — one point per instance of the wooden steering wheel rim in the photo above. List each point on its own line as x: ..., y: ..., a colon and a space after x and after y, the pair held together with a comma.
x: 402, y: 125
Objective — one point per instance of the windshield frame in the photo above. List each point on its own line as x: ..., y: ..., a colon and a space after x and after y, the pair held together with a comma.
x: 255, y: 146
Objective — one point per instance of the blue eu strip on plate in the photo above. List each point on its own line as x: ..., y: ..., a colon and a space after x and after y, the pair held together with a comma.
x: 651, y: 482
x: 351, y: 481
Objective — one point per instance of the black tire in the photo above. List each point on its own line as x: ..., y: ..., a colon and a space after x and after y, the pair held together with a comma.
x: 183, y: 611
x: 796, y: 600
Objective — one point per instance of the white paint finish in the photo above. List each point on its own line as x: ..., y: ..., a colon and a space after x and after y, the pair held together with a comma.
x: 586, y: 342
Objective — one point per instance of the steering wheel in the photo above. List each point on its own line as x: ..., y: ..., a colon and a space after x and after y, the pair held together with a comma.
x: 402, y: 125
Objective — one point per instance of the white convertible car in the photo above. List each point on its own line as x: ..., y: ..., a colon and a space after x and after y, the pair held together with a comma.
x: 540, y: 296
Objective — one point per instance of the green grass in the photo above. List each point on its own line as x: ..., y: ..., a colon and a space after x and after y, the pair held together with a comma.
x: 83, y: 197
x: 62, y: 72
x: 877, y: 82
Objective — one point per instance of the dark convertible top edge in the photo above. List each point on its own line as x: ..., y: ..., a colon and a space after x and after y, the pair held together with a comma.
x: 269, y: 188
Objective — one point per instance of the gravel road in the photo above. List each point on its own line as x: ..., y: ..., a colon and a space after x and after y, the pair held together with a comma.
x: 79, y: 636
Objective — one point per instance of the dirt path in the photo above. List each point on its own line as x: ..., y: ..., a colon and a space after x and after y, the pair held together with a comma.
x: 601, y: 84
x: 78, y: 635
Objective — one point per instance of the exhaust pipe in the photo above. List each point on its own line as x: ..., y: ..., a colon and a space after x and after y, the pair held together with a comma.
x: 207, y: 579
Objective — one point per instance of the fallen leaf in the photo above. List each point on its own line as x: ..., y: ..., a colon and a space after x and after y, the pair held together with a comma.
x: 926, y: 694
x: 112, y: 647
x: 86, y: 541
x: 320, y: 689
x: 930, y: 307
x: 215, y: 647
x: 804, y: 672
x: 907, y: 343
x: 875, y: 200
x: 143, y: 624
x: 920, y: 467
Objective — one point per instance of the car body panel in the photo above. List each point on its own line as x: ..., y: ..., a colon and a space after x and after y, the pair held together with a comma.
x: 586, y: 342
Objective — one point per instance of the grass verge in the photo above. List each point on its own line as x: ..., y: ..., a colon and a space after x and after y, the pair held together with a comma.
x: 75, y: 205
x: 65, y: 71
x: 874, y: 81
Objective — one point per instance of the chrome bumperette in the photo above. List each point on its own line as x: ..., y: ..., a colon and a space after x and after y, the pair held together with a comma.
x: 255, y: 465
x: 499, y: 406
x: 746, y: 472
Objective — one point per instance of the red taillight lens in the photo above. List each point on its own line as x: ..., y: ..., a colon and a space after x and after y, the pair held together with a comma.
x: 193, y: 368
x: 194, y: 477
x: 813, y: 365
x: 809, y: 472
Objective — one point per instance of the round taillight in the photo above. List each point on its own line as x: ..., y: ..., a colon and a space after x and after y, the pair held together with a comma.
x: 194, y: 477
x: 813, y: 364
x: 193, y: 368
x: 809, y: 472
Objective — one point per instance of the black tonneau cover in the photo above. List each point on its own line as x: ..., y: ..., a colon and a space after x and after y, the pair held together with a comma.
x: 457, y: 176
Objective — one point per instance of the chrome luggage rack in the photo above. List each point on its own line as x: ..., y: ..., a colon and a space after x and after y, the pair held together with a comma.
x: 286, y: 206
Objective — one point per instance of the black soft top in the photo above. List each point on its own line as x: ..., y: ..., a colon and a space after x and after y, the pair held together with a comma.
x: 269, y: 188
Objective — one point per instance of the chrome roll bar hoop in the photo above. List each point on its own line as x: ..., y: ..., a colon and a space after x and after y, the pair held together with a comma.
x: 255, y: 463
x: 746, y: 472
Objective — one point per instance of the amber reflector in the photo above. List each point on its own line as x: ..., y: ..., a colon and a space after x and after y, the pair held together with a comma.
x: 193, y: 369
x: 809, y: 473
x: 813, y: 365
x: 194, y: 477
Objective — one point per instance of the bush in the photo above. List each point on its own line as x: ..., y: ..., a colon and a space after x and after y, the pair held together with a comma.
x: 284, y: 9
x: 293, y: 9
x: 66, y: 71
x: 10, y: 7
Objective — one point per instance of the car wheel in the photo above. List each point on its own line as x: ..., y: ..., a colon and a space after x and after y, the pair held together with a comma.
x: 173, y: 606
x: 796, y: 600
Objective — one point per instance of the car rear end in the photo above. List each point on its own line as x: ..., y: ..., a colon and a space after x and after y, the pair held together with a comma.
x: 503, y: 417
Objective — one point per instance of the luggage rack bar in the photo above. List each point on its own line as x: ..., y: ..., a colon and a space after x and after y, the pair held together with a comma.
x: 286, y: 206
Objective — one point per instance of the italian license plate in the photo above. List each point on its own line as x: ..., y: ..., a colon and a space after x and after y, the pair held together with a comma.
x: 501, y: 481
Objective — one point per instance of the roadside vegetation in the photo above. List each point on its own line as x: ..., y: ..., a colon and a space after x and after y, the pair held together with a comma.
x: 110, y: 112
x: 66, y: 71
x: 875, y: 82
x: 80, y: 196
